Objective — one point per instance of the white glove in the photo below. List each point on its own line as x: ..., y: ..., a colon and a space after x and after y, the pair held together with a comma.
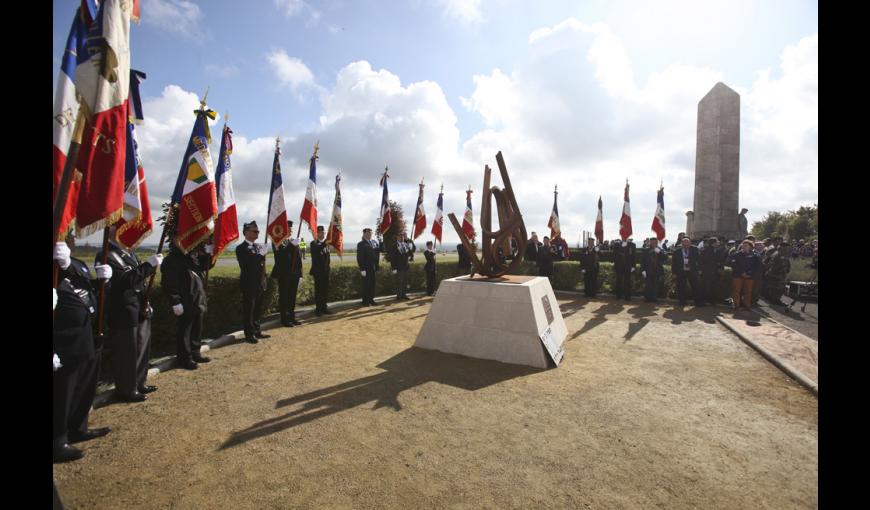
x: 597, y: 248
x: 155, y: 260
x: 294, y: 241
x: 178, y: 309
x: 363, y: 273
x: 583, y: 271
x: 54, y: 296
x: 643, y: 273
x: 209, y: 248
x: 632, y: 270
x: 263, y: 249
x: 658, y: 250
x: 104, y: 271
x: 61, y: 254
x: 394, y: 271
x: 624, y: 244
x: 56, y: 363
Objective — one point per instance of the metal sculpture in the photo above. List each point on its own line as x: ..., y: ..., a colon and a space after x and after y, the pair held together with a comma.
x: 510, y: 226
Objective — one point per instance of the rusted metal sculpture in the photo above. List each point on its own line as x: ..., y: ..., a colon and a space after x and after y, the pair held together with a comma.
x: 510, y: 223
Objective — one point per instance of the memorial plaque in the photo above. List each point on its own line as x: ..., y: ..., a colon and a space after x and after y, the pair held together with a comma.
x: 547, y: 309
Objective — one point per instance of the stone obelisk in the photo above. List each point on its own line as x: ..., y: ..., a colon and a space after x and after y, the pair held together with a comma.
x: 717, y: 166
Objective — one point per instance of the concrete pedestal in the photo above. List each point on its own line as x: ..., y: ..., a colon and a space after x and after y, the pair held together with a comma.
x: 498, y: 319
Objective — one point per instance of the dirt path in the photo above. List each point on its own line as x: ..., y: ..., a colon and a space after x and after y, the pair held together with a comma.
x: 649, y: 408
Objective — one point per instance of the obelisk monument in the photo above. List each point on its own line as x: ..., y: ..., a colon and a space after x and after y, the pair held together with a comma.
x: 717, y: 166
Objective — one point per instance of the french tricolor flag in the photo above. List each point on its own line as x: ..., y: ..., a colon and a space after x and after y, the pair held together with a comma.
x: 439, y: 216
x: 658, y: 224
x: 468, y: 219
x: 226, y: 226
x: 625, y: 219
x: 599, y: 223
x: 309, y: 208
x: 276, y: 220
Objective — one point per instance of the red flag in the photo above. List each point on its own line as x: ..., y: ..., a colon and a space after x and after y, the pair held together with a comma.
x: 419, y: 215
x: 439, y: 216
x: 625, y: 219
x: 468, y: 219
x: 226, y: 226
x: 335, y: 235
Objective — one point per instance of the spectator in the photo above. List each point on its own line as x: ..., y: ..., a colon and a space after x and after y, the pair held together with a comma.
x: 709, y: 266
x: 684, y: 266
x: 532, y: 249
x: 545, y: 258
x: 746, y: 265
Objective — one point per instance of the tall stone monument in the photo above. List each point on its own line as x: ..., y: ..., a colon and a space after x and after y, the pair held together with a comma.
x: 717, y: 166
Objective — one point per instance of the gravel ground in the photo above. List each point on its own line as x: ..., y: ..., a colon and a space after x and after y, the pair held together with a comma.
x: 651, y: 407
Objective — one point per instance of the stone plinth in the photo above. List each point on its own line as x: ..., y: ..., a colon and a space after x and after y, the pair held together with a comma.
x: 497, y: 319
x: 717, y: 164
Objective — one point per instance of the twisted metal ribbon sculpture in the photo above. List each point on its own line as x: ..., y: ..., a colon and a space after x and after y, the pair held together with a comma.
x: 510, y: 222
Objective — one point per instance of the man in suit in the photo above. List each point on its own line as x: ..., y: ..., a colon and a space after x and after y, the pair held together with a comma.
x: 430, y: 268
x: 367, y: 251
x: 288, y: 272
x: 589, y: 266
x: 623, y: 265
x: 546, y: 255
x: 76, y: 358
x: 129, y: 320
x: 464, y: 259
x: 183, y: 283
x: 400, y: 252
x: 708, y: 261
x: 252, y: 279
x: 652, y: 269
x: 320, y: 272
x: 684, y: 266
x: 532, y: 249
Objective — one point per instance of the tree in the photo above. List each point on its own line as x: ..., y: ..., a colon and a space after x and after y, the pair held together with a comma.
x: 397, y: 227
x: 795, y: 225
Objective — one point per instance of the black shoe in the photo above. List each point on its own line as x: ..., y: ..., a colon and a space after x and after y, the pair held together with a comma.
x: 318, y: 313
x: 296, y: 323
x: 251, y: 340
x: 92, y: 433
x: 188, y: 364
x: 326, y: 312
x: 262, y: 335
x: 66, y: 453
x: 132, y: 397
x: 147, y: 389
x: 199, y: 358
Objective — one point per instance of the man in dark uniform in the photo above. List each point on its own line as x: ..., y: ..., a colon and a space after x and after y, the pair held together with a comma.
x: 532, y: 249
x: 623, y: 265
x: 708, y: 262
x: 430, y: 268
x: 320, y: 272
x: 252, y: 262
x: 684, y: 266
x: 464, y: 259
x: 288, y: 272
x: 129, y: 321
x: 76, y: 356
x: 776, y: 273
x: 589, y: 265
x: 546, y: 255
x: 400, y: 252
x: 652, y: 269
x: 367, y: 252
x: 182, y: 281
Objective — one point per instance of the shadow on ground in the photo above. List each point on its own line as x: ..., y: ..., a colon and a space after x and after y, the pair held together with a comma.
x: 408, y: 369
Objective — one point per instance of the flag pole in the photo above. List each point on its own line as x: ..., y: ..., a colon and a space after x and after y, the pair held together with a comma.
x: 102, y: 300
x: 61, y: 198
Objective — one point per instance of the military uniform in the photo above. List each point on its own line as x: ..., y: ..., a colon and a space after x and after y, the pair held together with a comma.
x: 183, y: 283
x: 652, y: 264
x: 464, y: 259
x: 431, y: 269
x: 367, y: 252
x: 400, y: 253
x: 589, y: 265
x: 546, y: 255
x: 320, y: 272
x: 623, y: 264
x: 776, y: 272
x: 288, y: 272
x: 253, y: 284
x: 129, y: 321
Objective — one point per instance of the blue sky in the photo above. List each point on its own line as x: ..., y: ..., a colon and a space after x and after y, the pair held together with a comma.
x: 572, y: 92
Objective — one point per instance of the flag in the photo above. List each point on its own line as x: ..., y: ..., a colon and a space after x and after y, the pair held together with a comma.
x: 439, y: 217
x: 386, y: 215
x: 658, y: 224
x: 66, y: 108
x: 335, y: 237
x: 195, y: 188
x: 309, y: 208
x: 135, y: 223
x: 599, y: 223
x: 419, y: 215
x: 553, y: 224
x: 468, y: 219
x: 625, y: 219
x: 102, y: 80
x: 276, y: 221
x: 226, y: 226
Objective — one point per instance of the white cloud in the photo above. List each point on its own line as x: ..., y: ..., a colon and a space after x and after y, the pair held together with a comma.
x: 465, y: 11
x: 290, y: 71
x: 293, y: 8
x: 224, y: 71
x: 181, y: 17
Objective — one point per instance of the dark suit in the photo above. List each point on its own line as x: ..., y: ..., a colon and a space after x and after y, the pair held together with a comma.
x: 252, y: 280
x: 708, y: 262
x: 686, y: 268
x: 367, y: 260
x: 400, y: 253
x: 129, y: 323
x: 589, y: 262
x: 288, y: 271
x: 532, y: 251
x: 75, y: 382
x: 182, y: 281
x: 653, y: 264
x: 320, y: 272
x: 464, y: 259
x: 431, y: 270
x: 623, y: 262
x: 546, y: 255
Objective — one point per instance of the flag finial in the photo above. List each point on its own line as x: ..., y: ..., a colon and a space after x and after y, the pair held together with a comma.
x: 316, y: 148
x: 204, y: 97
x: 442, y: 187
x: 226, y: 117
x: 556, y: 189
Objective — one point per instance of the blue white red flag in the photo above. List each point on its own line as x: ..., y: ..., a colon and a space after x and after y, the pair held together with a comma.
x: 195, y: 188
x: 599, y: 223
x: 468, y: 219
x: 625, y: 219
x: 335, y: 232
x: 226, y: 226
x: 658, y: 224
x: 276, y: 220
x: 553, y: 224
x: 419, y: 215
x: 386, y: 216
x: 309, y: 208
x: 439, y: 217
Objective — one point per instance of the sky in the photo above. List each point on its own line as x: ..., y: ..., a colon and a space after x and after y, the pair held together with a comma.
x: 583, y: 95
